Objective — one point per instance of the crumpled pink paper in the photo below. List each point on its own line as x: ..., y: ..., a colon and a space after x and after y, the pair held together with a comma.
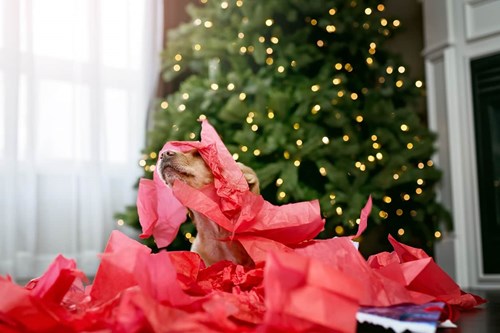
x: 160, y: 213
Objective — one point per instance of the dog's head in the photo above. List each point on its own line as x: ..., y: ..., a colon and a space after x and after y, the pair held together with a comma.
x: 190, y: 168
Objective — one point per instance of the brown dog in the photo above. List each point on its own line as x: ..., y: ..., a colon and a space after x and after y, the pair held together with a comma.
x: 211, y: 242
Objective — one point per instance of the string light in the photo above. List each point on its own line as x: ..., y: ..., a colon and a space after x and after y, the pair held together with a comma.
x: 296, y: 163
x: 296, y: 126
x: 274, y: 40
x: 244, y: 149
x: 242, y: 96
x: 282, y: 195
x: 331, y: 28
x: 399, y: 212
x: 401, y: 232
x: 338, y: 66
x: 181, y: 108
x: 269, y: 22
x: 368, y: 11
x: 339, y: 211
x: 256, y: 152
x: 315, y: 87
x: 345, y: 137
x: 224, y: 5
x: 396, y: 23
x: 164, y: 105
x: 322, y: 171
x: 332, y: 11
x: 153, y: 155
x: 315, y: 109
x: 230, y: 86
x: 270, y: 114
x: 383, y: 22
x: 339, y: 230
x: 177, y: 67
x: 401, y: 69
x: 437, y: 234
x: 389, y: 70
x: 178, y: 57
x: 208, y: 24
x: 387, y: 199
x: 142, y: 163
x: 325, y: 140
x: 279, y: 182
x: 383, y: 214
x: 418, y: 84
x: 214, y: 86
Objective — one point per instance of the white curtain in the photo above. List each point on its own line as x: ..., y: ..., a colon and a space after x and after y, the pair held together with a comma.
x: 76, y: 77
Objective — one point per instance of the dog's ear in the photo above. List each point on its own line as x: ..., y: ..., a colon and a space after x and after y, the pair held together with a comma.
x: 251, y: 178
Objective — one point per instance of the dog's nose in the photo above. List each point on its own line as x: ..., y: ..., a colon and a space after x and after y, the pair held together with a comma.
x: 167, y: 154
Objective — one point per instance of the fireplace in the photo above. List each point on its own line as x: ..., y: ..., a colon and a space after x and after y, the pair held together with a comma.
x: 485, y: 75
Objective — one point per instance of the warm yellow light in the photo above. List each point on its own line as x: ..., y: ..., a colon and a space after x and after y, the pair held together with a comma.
x: 315, y: 87
x: 256, y: 152
x: 418, y: 84
x: 345, y: 138
x: 164, y: 105
x: 437, y: 234
x: 214, y: 86
x: 387, y: 199
x: 281, y: 69
x: 178, y: 57
x: 406, y: 197
x: 332, y: 11
x: 354, y: 96
x: 286, y: 155
x: 395, y: 176
x: 376, y: 145
x: 269, y: 61
x: 197, y: 47
x: 282, y: 195
x: 188, y: 235
x: 269, y: 22
x: 298, y: 142
x: 322, y: 171
x: 339, y: 210
x: 379, y: 156
x: 236, y: 156
x: 274, y: 40
x: 230, y: 86
x: 254, y: 128
x: 315, y: 109
x: 339, y: 230
x: 383, y: 214
x: 242, y: 96
x: 409, y: 145
x: 269, y: 50
x: 383, y: 22
x: 430, y: 163
x: 421, y: 165
x: 368, y: 11
x: 404, y: 127
x: 338, y: 66
x: 401, y: 69
x: 181, y: 108
x: 270, y: 115
x: 340, y: 93
x: 142, y: 163
x: 418, y: 190
x: 420, y: 181
x: 396, y: 23
x: 336, y: 81
x: 369, y: 61
x: 279, y: 182
x: 380, y: 7
x: 296, y: 126
x: 399, y: 212
x: 325, y: 140
x: 371, y: 158
x: 177, y: 67
x: 330, y: 28
x: 244, y: 149
x: 359, y: 119
x: 296, y: 163
x: 389, y: 70
x: 314, y: 22
x: 401, y: 232
x: 399, y: 83
x: 208, y: 24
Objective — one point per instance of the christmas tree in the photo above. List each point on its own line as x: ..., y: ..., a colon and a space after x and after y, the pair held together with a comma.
x: 306, y: 94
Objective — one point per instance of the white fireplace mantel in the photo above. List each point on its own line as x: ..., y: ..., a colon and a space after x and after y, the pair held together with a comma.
x: 456, y: 32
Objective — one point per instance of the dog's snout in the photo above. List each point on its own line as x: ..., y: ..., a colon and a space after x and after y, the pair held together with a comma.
x: 167, y: 154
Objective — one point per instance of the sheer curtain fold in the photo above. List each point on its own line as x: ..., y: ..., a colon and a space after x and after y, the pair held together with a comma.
x: 76, y: 78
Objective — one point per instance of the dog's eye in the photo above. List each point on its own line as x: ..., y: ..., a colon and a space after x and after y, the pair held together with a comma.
x: 194, y: 153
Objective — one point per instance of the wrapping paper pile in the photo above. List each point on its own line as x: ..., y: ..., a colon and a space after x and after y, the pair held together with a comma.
x: 297, y: 284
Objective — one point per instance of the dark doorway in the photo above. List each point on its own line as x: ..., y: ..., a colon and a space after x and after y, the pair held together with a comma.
x: 485, y: 74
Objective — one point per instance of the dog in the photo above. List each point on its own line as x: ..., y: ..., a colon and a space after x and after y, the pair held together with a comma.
x: 212, y: 241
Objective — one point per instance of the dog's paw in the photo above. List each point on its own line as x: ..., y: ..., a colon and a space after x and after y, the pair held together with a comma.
x: 250, y: 177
